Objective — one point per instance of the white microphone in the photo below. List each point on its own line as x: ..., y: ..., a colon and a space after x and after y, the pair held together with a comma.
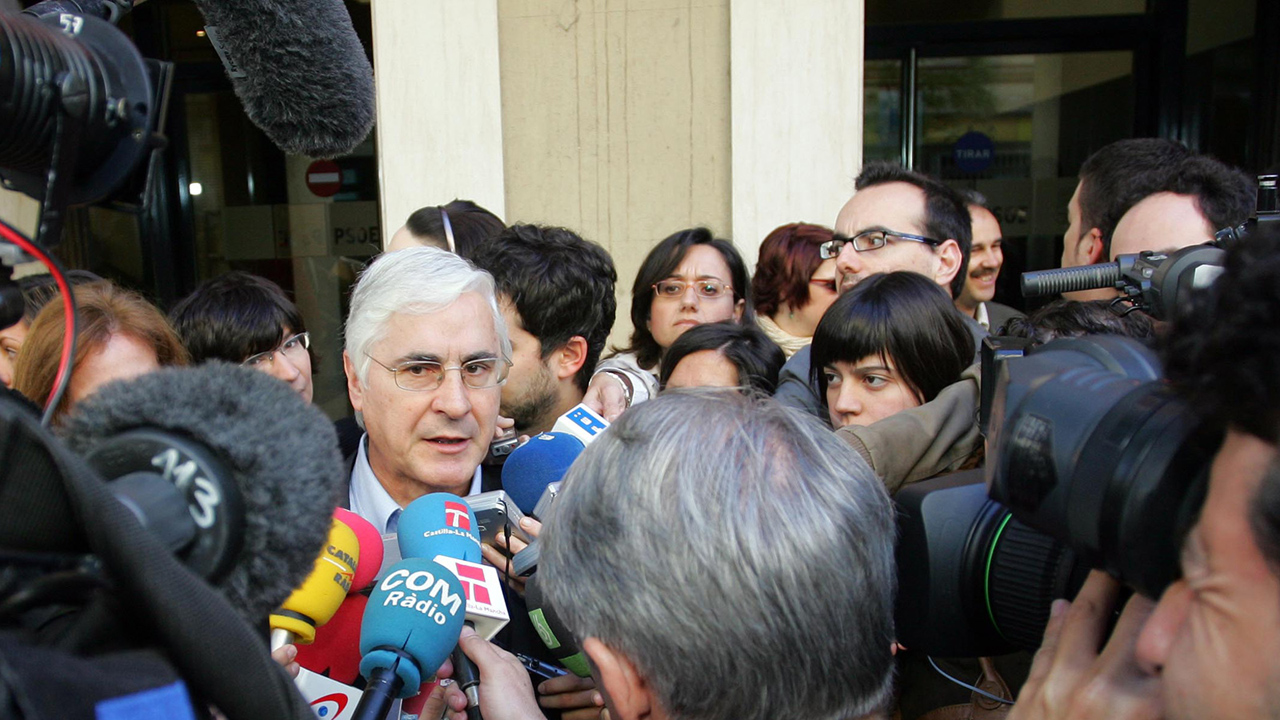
x: 581, y: 422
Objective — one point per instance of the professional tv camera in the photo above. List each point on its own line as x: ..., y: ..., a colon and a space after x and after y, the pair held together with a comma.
x: 1093, y: 461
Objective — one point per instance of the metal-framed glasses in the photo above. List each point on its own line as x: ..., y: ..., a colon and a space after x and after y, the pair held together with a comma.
x: 294, y: 347
x: 672, y: 289
x: 869, y: 240
x: 426, y: 375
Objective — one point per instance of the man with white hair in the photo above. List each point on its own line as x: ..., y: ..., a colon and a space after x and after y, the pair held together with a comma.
x: 717, y: 556
x: 426, y: 355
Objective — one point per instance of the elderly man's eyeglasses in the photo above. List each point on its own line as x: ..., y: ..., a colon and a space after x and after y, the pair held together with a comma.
x: 294, y: 348
x: 674, y: 289
x: 869, y: 240
x: 426, y: 375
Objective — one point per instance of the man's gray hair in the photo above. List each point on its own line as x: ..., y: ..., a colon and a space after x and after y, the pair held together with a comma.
x: 737, y: 552
x: 413, y: 281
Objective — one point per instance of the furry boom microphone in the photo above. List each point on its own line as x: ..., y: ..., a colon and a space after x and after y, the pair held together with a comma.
x: 265, y: 447
x: 299, y: 69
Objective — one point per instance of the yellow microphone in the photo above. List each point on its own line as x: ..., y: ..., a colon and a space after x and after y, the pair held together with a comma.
x: 312, y: 604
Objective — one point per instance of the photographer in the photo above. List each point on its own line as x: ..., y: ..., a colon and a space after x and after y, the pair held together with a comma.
x: 1208, y: 647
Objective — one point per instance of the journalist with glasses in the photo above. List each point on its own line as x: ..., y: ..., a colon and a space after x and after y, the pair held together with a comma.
x: 248, y: 320
x: 793, y: 284
x: 897, y: 219
x: 690, y: 278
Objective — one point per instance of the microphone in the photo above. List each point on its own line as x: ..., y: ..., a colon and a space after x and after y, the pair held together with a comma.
x: 335, y: 653
x: 315, y: 602
x: 535, y: 468
x: 298, y: 68
x: 371, y: 549
x: 439, y: 524
x: 53, y: 501
x: 543, y: 460
x: 438, y: 528
x: 256, y: 472
x: 411, y: 623
x: 581, y: 422
x: 552, y: 631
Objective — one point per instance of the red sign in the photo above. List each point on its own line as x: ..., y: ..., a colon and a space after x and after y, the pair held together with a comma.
x: 456, y: 515
x: 324, y: 178
x: 475, y: 588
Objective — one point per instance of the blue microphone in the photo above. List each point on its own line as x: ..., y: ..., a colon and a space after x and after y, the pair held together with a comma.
x: 533, y: 466
x: 439, y: 524
x: 411, y: 623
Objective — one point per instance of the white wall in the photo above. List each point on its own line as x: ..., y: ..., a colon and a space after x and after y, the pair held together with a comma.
x: 797, y: 112
x: 439, y: 105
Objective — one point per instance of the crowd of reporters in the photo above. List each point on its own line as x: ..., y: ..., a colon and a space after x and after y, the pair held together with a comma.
x: 728, y: 552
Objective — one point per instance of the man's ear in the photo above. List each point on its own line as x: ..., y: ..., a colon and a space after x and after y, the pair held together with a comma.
x: 569, y: 359
x: 354, y: 391
x: 1088, y: 248
x: 949, y: 260
x: 627, y: 694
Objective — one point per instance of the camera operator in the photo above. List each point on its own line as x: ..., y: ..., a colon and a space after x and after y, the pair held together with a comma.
x: 1208, y: 648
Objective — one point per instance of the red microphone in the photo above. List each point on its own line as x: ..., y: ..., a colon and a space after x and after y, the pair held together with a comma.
x: 335, y: 653
x: 371, y: 549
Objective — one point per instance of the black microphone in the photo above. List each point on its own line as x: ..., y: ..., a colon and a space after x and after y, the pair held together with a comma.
x: 299, y: 70
x: 228, y: 454
x: 52, y: 501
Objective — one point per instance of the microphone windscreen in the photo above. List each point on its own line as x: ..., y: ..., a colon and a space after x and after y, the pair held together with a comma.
x: 416, y: 611
x: 439, y: 524
x: 371, y: 550
x: 298, y: 68
x: 533, y: 466
x: 335, y: 653
x: 281, y: 451
x: 312, y: 604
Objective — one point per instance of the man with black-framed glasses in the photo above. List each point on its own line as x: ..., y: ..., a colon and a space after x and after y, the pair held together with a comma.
x: 897, y: 219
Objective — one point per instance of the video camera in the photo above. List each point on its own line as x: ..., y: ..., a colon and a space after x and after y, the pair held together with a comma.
x: 1093, y: 461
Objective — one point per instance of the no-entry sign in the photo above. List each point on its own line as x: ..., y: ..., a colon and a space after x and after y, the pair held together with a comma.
x: 324, y: 178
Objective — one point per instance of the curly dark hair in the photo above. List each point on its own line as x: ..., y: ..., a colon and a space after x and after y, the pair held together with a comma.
x: 1068, y: 318
x: 562, y: 286
x: 1224, y: 356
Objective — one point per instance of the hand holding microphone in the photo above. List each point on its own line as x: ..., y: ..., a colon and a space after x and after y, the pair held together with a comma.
x: 410, y: 625
x: 531, y: 477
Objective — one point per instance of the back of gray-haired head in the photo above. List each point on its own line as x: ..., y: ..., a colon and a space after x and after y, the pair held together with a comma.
x: 413, y: 281
x: 737, y: 552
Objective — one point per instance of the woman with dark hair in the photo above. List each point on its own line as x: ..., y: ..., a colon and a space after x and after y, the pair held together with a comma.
x: 690, y: 278
x: 793, y: 286
x: 892, y: 342
x: 246, y: 320
x: 723, y: 354
x: 119, y: 336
